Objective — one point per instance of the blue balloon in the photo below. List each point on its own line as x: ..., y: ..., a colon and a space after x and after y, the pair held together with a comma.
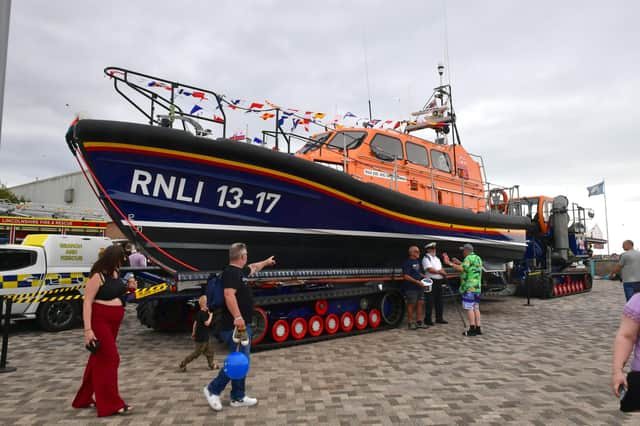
x: 236, y: 366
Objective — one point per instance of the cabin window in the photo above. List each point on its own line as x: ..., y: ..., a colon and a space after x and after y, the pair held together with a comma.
x: 315, y: 142
x: 16, y: 259
x: 417, y: 154
x: 350, y: 140
x: 386, y: 148
x: 440, y: 161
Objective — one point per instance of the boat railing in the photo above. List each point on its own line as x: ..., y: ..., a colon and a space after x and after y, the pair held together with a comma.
x: 129, y: 83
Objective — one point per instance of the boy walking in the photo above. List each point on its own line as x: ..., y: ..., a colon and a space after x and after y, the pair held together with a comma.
x: 200, y: 335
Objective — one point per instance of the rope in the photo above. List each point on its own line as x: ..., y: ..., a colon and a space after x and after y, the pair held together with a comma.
x: 126, y: 218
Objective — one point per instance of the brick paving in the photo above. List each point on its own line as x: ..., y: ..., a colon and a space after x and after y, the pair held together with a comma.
x: 541, y: 365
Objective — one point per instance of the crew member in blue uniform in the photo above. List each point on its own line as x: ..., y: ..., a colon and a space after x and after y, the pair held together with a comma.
x: 413, y: 289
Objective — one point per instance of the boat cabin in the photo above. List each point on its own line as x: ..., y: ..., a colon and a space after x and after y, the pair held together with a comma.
x: 436, y: 172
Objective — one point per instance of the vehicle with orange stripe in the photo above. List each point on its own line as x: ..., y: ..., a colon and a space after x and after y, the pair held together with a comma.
x: 347, y: 203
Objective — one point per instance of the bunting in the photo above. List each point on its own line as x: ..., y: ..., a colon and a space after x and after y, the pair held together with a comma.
x: 198, y: 103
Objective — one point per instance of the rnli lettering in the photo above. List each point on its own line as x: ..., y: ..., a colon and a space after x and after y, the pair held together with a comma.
x: 171, y: 188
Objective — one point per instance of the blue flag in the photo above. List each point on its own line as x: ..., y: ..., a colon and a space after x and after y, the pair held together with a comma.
x: 257, y: 140
x: 195, y: 109
x: 596, y: 189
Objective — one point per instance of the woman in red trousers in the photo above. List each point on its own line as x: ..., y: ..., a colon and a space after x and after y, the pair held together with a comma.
x: 103, y: 310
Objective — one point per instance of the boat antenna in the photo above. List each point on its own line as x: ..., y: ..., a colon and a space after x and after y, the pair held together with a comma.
x: 366, y: 71
x: 445, y: 43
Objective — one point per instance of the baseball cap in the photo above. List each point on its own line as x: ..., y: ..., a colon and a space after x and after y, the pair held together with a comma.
x: 430, y: 245
x: 467, y: 247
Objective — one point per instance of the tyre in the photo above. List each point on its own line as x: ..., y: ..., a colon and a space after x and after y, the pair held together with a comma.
x: 164, y: 315
x: 145, y: 312
x: 392, y: 308
x: 59, y: 315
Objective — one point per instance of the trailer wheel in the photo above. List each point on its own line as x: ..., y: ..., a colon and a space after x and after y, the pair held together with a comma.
x: 392, y: 308
x: 162, y: 315
x: 588, y: 282
x: 316, y: 325
x: 59, y: 315
x: 259, y: 325
x: 280, y: 331
x: 145, y: 312
x: 361, y: 320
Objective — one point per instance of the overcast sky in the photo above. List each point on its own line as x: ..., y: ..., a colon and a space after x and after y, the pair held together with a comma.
x: 547, y: 92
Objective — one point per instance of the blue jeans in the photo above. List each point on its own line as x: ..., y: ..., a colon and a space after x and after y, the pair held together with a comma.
x: 631, y: 288
x: 218, y: 384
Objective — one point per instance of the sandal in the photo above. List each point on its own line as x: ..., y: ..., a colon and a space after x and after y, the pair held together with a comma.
x: 125, y: 410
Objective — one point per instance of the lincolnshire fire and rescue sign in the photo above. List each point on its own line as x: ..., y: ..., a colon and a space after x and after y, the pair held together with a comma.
x: 58, y: 223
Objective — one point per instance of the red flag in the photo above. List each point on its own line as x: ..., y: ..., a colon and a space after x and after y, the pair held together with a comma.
x: 218, y: 119
x: 256, y: 105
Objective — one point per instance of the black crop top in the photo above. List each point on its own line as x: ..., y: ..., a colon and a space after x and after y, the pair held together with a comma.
x: 111, y: 289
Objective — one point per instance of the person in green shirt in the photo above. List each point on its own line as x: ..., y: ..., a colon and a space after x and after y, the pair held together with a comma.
x: 470, y: 285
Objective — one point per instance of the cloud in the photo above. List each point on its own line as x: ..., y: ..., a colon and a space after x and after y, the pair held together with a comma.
x: 546, y: 92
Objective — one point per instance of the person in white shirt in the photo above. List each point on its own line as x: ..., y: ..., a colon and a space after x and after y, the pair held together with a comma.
x: 432, y: 268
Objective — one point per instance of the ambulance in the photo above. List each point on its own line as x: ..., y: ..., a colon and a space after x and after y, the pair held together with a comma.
x: 48, y: 265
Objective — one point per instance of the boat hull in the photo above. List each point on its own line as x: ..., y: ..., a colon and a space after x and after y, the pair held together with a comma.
x: 192, y: 197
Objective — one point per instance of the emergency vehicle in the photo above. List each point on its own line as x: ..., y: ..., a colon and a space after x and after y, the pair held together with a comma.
x: 43, y: 263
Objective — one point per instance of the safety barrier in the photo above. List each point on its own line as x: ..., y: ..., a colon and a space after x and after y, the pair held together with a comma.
x: 53, y: 295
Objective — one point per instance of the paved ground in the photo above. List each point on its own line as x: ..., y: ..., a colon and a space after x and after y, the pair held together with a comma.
x: 540, y: 365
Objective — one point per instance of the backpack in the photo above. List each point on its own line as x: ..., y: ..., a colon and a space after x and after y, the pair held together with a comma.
x: 215, y: 292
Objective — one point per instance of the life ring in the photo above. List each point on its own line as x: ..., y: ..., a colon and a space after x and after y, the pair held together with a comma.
x: 499, y: 206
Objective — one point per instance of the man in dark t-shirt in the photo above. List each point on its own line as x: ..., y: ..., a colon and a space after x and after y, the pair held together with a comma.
x: 237, y: 311
x: 413, y: 289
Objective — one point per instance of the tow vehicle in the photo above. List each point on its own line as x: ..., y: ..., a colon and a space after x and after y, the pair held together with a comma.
x: 43, y: 263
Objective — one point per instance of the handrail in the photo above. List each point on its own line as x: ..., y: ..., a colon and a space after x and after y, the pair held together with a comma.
x: 134, y: 81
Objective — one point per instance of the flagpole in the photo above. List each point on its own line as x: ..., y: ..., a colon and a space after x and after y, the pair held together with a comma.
x: 606, y: 217
x: 5, y: 12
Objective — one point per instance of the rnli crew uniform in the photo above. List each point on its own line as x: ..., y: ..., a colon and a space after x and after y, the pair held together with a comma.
x: 430, y: 261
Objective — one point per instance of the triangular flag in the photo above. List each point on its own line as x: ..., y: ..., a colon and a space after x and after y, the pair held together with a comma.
x: 195, y: 109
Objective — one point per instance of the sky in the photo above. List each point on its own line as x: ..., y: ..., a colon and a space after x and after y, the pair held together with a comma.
x: 545, y: 91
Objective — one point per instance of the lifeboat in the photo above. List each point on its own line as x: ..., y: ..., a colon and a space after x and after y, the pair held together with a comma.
x: 348, y: 197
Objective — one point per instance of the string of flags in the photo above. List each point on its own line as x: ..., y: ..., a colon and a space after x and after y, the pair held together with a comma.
x: 201, y: 104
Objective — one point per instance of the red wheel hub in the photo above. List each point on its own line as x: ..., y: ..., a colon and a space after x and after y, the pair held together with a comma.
x: 322, y: 306
x: 316, y: 326
x: 361, y: 320
x: 332, y: 323
x: 298, y: 328
x: 374, y: 318
x: 346, y: 321
x: 280, y: 331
